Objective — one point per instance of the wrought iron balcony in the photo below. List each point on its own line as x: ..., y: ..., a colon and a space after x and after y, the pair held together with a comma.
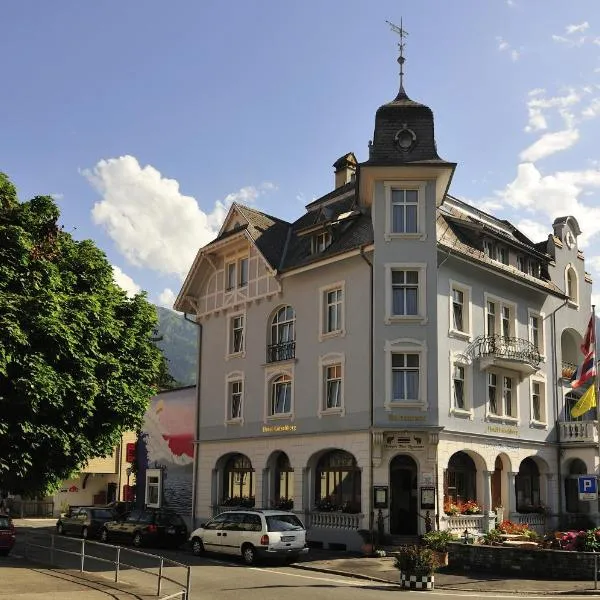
x: 282, y: 351
x: 513, y: 353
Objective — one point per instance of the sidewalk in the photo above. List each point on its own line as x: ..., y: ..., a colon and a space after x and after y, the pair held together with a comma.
x: 383, y: 570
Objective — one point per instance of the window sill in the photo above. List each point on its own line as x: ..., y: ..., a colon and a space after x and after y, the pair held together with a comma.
x: 391, y: 319
x: 573, y: 304
x: 339, y: 412
x: 277, y: 365
x: 405, y: 404
x: 461, y: 335
x: 503, y: 419
x: 538, y: 424
x: 241, y: 354
x: 462, y: 413
x: 390, y: 236
x: 280, y: 416
x: 239, y: 421
x: 332, y: 334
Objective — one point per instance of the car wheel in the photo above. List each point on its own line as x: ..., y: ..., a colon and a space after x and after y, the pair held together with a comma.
x: 137, y: 539
x: 104, y: 536
x: 60, y: 529
x: 84, y: 533
x: 197, y: 546
x: 249, y: 554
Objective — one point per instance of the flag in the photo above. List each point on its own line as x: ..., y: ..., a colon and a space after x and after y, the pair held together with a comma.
x: 586, y: 402
x: 587, y: 369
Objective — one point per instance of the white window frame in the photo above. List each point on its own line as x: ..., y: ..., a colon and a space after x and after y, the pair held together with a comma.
x: 502, y: 416
x: 543, y: 422
x: 232, y: 264
x: 467, y: 310
x: 330, y: 360
x: 230, y: 318
x: 499, y: 304
x: 240, y: 283
x: 321, y: 241
x: 489, y: 243
x: 419, y: 187
x: 522, y: 268
x: 541, y: 331
x: 459, y: 360
x: 230, y: 378
x: 572, y: 301
x: 151, y: 473
x: 502, y: 249
x: 421, y: 316
x: 323, y: 305
x: 406, y: 346
x: 272, y: 372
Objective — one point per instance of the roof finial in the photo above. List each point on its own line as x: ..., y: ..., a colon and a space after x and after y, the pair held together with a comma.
x: 402, y: 33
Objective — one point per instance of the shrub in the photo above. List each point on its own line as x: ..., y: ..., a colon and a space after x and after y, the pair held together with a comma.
x: 416, y: 560
x: 438, y: 540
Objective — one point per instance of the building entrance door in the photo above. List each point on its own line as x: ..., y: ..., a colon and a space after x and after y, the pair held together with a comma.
x: 403, y: 492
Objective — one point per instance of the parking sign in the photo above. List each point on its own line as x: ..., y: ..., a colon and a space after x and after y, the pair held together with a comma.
x: 588, y: 487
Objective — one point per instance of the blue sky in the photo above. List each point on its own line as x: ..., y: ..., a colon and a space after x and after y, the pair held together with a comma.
x: 146, y: 119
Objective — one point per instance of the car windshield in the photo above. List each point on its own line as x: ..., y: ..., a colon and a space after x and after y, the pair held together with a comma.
x: 4, y: 523
x: 284, y: 523
x: 103, y: 514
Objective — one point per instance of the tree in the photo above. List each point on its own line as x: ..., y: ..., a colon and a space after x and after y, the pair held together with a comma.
x: 77, y: 364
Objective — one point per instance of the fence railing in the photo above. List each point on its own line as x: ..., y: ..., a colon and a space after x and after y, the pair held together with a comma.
x: 535, y: 521
x: 474, y: 524
x: 31, y: 508
x: 333, y: 520
x: 32, y: 541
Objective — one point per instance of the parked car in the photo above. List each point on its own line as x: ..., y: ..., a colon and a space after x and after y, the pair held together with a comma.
x: 7, y: 534
x: 253, y: 534
x: 147, y: 527
x: 85, y: 521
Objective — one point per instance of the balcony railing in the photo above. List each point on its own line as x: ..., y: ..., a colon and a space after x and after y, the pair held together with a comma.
x: 507, y: 348
x: 333, y: 520
x: 282, y: 351
x: 579, y: 431
x: 568, y: 369
x: 474, y: 524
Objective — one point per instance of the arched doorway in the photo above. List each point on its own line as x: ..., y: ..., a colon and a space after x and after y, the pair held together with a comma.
x: 527, y: 484
x: 572, y: 502
x: 283, y: 483
x: 403, y: 496
x: 238, y: 481
x: 460, y: 479
x: 338, y: 483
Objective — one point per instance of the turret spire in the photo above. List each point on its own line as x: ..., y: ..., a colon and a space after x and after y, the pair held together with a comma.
x: 402, y: 33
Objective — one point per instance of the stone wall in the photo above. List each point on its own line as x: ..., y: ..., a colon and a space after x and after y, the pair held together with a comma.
x: 542, y: 564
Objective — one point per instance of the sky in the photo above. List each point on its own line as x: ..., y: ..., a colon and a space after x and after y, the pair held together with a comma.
x: 146, y: 119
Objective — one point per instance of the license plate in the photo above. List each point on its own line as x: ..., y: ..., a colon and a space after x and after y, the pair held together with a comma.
x: 288, y: 538
x: 171, y: 530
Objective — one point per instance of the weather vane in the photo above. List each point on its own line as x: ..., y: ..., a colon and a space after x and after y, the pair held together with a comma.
x: 402, y: 33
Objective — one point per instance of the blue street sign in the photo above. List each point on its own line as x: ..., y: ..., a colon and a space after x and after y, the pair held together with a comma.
x: 588, y: 487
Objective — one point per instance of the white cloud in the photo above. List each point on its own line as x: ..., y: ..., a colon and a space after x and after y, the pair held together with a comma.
x: 511, y: 3
x: 577, y: 28
x: 571, y: 42
x: 596, y: 41
x: 593, y: 263
x: 534, y: 230
x: 151, y: 222
x: 538, y: 106
x: 167, y: 298
x: 57, y: 196
x: 503, y: 46
x: 125, y: 282
x: 514, y: 55
x: 550, y: 143
x: 555, y: 195
x: 592, y: 110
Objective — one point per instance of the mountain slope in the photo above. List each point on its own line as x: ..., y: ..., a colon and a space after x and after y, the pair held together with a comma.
x: 180, y: 345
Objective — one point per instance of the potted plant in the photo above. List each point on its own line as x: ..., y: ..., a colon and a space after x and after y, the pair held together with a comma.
x: 437, y: 541
x: 368, y: 538
x: 417, y: 565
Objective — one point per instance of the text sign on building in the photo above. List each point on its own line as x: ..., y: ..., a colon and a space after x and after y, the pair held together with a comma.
x: 588, y: 487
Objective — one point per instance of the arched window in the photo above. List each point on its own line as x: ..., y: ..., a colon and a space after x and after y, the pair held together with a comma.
x: 571, y: 285
x: 459, y: 481
x: 338, y: 483
x: 527, y: 487
x: 280, y: 395
x: 238, y: 482
x: 573, y: 505
x: 284, y: 483
x: 282, y: 335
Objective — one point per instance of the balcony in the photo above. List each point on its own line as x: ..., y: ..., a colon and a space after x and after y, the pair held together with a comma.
x: 511, y: 353
x: 578, y: 431
x: 567, y: 369
x: 282, y: 351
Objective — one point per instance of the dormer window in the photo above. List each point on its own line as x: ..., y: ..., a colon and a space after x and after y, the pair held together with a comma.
x: 236, y: 274
x: 489, y: 249
x: 321, y: 241
x: 503, y: 254
x: 534, y: 268
x: 521, y: 264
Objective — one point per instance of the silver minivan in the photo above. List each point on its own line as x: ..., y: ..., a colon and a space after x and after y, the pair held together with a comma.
x: 253, y: 534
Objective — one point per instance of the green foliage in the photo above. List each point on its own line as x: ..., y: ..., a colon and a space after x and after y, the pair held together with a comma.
x: 77, y: 365
x: 416, y: 560
x: 439, y: 540
x: 178, y: 339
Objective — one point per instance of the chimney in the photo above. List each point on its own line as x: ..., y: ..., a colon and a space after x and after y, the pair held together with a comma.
x: 345, y: 169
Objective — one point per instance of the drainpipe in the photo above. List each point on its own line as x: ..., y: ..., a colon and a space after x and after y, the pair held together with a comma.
x: 197, y: 423
x: 371, y: 411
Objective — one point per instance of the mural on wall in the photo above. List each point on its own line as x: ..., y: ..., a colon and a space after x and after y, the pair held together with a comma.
x: 167, y: 444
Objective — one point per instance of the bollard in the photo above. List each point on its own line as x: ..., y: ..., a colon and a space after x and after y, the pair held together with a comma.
x: 117, y: 564
x: 52, y: 550
x: 82, y: 555
x: 188, y: 583
x: 595, y: 571
x: 160, y: 568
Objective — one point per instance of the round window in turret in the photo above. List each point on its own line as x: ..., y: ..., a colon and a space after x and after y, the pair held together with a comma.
x: 405, y: 138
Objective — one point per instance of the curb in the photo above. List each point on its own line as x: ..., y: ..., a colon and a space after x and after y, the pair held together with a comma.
x: 454, y: 588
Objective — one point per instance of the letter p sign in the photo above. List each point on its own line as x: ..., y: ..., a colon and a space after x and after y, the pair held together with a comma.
x: 588, y: 487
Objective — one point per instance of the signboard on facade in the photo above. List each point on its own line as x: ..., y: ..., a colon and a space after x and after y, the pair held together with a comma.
x: 404, y: 441
x: 588, y: 487
x: 427, y: 479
